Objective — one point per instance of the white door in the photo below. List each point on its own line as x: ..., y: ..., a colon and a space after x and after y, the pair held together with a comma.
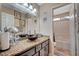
x: 65, y: 43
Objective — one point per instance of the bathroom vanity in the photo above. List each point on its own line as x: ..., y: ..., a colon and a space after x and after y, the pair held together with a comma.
x: 38, y: 47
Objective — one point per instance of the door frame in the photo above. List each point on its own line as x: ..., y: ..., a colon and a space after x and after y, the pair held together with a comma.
x: 73, y: 43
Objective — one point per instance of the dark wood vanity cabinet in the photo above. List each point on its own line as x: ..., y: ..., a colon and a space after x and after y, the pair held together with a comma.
x: 39, y: 50
x: 44, y: 51
x: 29, y: 52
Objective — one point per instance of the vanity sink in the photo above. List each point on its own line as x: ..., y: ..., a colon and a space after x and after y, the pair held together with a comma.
x: 32, y: 37
x: 23, y: 35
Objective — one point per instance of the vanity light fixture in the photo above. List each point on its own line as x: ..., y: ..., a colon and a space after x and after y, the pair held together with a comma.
x: 27, y: 7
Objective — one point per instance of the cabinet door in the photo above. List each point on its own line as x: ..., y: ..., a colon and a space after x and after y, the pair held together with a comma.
x: 46, y: 50
x: 38, y: 47
x: 42, y: 52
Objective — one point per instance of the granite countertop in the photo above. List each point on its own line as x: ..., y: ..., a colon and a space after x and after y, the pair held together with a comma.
x: 22, y: 46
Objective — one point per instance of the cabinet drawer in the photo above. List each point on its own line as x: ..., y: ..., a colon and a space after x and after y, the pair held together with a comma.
x: 44, y: 44
x: 29, y: 53
x: 38, y: 47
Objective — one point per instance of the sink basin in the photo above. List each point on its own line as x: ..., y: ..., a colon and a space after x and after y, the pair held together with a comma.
x: 23, y: 35
x: 32, y: 37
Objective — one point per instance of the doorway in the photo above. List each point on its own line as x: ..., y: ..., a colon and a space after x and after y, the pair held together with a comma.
x: 64, y: 30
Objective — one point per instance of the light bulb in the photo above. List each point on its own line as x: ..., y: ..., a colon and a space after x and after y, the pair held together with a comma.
x: 34, y: 10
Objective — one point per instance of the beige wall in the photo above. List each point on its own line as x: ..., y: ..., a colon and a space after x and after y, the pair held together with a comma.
x: 46, y: 26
